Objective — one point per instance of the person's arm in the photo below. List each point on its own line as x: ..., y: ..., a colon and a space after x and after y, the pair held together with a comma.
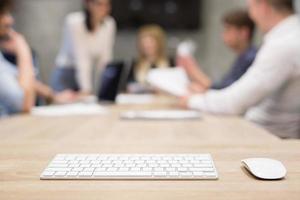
x: 269, y: 72
x: 44, y: 91
x: 63, y: 97
x: 64, y: 58
x: 195, y: 73
x: 107, y: 52
x: 26, y: 72
x: 83, y: 64
x: 84, y: 72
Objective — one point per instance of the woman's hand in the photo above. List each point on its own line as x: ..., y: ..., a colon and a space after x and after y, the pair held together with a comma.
x: 194, y: 71
x: 65, y: 97
x: 195, y: 88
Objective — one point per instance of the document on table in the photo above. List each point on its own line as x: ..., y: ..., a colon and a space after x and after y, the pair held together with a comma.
x: 173, y: 80
x: 135, y: 99
x: 161, y: 115
x: 77, y: 109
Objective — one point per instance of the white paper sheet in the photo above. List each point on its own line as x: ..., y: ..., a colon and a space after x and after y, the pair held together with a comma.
x: 161, y: 115
x: 134, y: 99
x: 77, y: 109
x: 173, y: 80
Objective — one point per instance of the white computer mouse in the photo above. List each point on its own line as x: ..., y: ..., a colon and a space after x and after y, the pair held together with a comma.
x: 265, y: 168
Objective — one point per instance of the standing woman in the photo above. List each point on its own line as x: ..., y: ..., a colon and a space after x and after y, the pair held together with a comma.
x: 88, y: 42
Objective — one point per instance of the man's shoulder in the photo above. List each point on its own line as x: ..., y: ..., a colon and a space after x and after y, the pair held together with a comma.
x: 251, y: 52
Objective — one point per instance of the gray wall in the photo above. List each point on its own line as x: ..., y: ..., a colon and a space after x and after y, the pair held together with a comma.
x: 41, y: 22
x: 297, y: 5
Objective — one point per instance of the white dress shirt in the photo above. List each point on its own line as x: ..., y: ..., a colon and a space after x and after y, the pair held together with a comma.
x: 83, y: 50
x: 269, y: 93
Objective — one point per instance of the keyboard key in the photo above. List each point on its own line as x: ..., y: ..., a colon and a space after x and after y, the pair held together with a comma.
x: 209, y: 174
x: 96, y: 165
x: 182, y: 169
x: 100, y: 169
x: 59, y: 162
x: 59, y: 169
x: 112, y: 169
x: 58, y: 165
x: 159, y: 169
x: 48, y: 173
x: 77, y: 169
x: 89, y: 169
x: 160, y: 174
x: 195, y: 169
x: 60, y: 174
x: 171, y: 169
x: 207, y: 169
x: 122, y: 174
x: 198, y: 174
x: 174, y: 174
x: 147, y: 169
x: 186, y: 174
x: 85, y: 165
x: 135, y: 169
x: 107, y: 165
x: 124, y: 169
x: 74, y: 166
x: 72, y: 174
x: 85, y: 174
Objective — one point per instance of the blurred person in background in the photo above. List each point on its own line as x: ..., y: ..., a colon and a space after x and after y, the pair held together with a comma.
x: 18, y: 85
x: 152, y: 54
x: 268, y: 94
x: 238, y: 36
x: 88, y: 41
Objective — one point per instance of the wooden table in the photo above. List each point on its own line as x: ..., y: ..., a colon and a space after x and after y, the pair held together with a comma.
x: 28, y: 143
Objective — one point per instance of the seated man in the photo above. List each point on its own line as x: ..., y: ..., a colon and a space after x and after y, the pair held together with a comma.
x: 18, y: 85
x: 237, y: 35
x: 268, y: 93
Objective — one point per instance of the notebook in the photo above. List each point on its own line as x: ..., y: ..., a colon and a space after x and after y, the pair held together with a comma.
x: 77, y: 109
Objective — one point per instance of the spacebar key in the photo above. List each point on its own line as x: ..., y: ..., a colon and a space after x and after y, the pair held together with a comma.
x: 122, y: 174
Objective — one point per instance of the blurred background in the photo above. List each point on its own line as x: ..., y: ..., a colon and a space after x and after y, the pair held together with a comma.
x: 41, y: 21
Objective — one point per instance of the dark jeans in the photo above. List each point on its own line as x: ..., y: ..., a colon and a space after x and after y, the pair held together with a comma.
x: 64, y: 79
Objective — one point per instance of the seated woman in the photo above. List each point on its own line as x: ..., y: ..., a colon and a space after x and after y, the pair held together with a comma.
x: 88, y: 42
x: 151, y: 44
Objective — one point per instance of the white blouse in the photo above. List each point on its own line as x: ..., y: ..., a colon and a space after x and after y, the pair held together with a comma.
x: 269, y: 93
x: 83, y: 50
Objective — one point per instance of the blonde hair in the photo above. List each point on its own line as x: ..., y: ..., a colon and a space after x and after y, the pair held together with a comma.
x: 143, y: 66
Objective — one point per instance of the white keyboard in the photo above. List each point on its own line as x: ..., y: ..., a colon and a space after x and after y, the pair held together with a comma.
x: 133, y: 166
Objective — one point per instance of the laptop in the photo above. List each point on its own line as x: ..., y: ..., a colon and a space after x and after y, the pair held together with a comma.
x: 113, y: 82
